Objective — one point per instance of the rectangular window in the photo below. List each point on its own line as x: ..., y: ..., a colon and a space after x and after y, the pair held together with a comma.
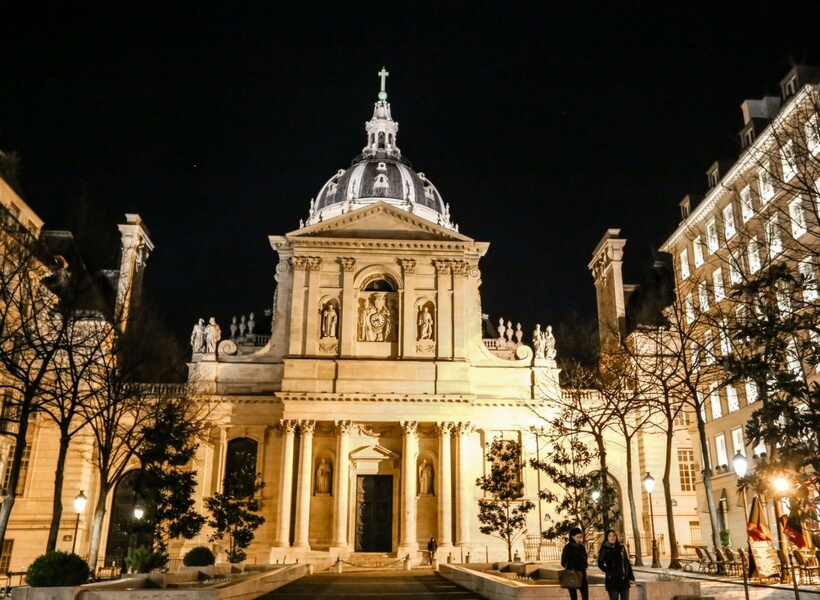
x: 21, y: 480
x: 753, y: 253
x: 689, y: 308
x: 697, y: 250
x: 682, y: 419
x: 684, y: 264
x: 686, y: 468
x: 773, y: 241
x: 747, y: 211
x: 717, y: 284
x: 723, y: 333
x: 788, y: 160
x: 729, y: 222
x: 714, y: 400
x: 738, y: 442
x: 760, y: 449
x: 734, y: 271
x: 709, y: 347
x: 721, y: 454
x: 5, y: 556
x: 764, y: 185
x: 703, y: 296
x: 797, y: 217
x: 809, y: 283
x: 751, y: 392
x: 732, y: 402
x: 712, y: 236
x: 813, y: 134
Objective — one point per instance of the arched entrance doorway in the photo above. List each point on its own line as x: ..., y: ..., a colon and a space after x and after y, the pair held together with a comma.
x: 122, y: 511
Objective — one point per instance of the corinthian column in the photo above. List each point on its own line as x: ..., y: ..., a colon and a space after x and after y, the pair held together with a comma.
x: 302, y: 529
x: 463, y: 487
x: 282, y: 539
x: 444, y: 486
x: 341, y: 485
x: 407, y: 540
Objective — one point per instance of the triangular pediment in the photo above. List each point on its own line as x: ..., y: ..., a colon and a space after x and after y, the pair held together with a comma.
x: 379, y: 221
x: 372, y: 453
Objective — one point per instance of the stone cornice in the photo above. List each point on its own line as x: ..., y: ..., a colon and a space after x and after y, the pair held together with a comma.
x: 372, y: 398
x: 376, y: 244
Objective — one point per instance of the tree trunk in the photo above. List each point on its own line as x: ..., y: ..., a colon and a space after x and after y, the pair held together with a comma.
x: 57, y: 500
x: 707, y: 478
x: 599, y: 440
x: 14, y: 474
x: 674, y: 562
x: 633, y: 513
x: 97, y: 526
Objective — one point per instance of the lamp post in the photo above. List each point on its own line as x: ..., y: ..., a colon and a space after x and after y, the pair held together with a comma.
x: 741, y: 464
x: 79, y: 507
x: 649, y: 485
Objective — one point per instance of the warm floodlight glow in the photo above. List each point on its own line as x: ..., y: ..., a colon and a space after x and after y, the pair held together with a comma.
x: 138, y: 512
x: 596, y: 494
x: 781, y: 484
x: 649, y: 483
x: 740, y: 463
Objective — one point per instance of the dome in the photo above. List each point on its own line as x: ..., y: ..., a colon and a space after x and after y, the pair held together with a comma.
x: 380, y: 174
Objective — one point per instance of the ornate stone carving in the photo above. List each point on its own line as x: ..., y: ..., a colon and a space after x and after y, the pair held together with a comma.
x: 287, y: 426
x: 307, y: 427
x: 198, y: 337
x: 425, y: 478
x: 212, y: 335
x: 463, y: 428
x: 298, y: 263
x: 343, y: 427
x: 324, y: 475
x: 408, y: 265
x: 460, y: 267
x: 442, y: 267
x: 376, y: 320
x: 444, y: 428
x: 330, y: 320
x: 314, y: 263
x: 409, y: 427
x: 348, y: 264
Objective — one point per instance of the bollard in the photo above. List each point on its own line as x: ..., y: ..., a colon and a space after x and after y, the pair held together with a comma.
x: 338, y: 564
x: 467, y: 558
x: 435, y: 564
x: 449, y: 558
x: 516, y: 557
x: 310, y: 569
x: 407, y: 565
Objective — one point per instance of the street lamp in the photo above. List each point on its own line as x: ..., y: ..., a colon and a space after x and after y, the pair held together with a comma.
x: 138, y: 512
x: 649, y: 485
x: 595, y: 495
x: 79, y: 507
x: 741, y: 464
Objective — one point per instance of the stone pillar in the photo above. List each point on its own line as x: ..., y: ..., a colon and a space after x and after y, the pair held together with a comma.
x: 444, y: 486
x: 297, y: 338
x: 313, y: 317
x: 460, y: 271
x: 302, y: 529
x: 282, y: 539
x: 341, y: 485
x: 463, y: 486
x: 408, y: 544
x: 408, y: 337
x: 444, y: 308
x: 347, y: 328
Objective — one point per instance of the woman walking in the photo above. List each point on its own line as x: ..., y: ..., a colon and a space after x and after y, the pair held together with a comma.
x: 614, y: 561
x: 574, y: 558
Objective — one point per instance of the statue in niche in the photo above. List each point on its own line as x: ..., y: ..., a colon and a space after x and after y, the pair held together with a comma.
x: 330, y: 319
x: 425, y: 478
x: 425, y: 324
x: 212, y: 335
x: 376, y: 320
x: 198, y: 337
x: 323, y: 475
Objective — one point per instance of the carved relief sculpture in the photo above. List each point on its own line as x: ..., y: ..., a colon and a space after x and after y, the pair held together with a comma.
x: 376, y: 322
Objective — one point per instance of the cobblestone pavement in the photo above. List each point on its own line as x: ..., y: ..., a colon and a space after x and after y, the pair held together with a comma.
x: 420, y: 584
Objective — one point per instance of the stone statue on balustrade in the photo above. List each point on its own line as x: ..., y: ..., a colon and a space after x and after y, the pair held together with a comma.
x: 538, y: 342
x: 198, y: 337
x: 212, y: 335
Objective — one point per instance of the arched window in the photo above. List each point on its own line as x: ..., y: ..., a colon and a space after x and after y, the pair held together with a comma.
x: 122, y: 511
x: 379, y: 285
x: 239, y: 451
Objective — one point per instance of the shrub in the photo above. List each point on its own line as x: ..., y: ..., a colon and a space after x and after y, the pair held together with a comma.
x: 200, y: 556
x: 57, y: 568
x: 145, y: 560
x: 725, y: 538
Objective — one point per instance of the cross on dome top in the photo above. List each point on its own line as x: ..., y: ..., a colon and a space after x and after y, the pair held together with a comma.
x: 382, y: 129
x: 383, y: 93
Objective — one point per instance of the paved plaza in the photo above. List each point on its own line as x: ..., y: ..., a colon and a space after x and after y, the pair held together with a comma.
x: 425, y: 584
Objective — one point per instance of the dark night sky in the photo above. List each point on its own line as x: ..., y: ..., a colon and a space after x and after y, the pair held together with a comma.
x: 542, y: 124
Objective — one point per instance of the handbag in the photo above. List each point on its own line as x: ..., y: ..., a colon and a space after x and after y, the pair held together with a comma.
x: 569, y: 579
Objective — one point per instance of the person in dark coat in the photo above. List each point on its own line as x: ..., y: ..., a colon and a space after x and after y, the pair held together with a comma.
x: 432, y: 546
x: 574, y: 558
x: 614, y: 561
